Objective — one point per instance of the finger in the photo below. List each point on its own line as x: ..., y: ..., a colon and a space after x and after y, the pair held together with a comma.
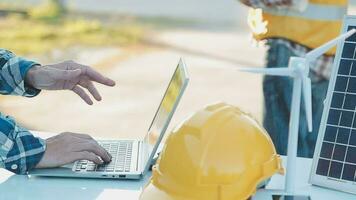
x: 79, y: 91
x: 65, y: 74
x: 97, y: 77
x: 86, y: 155
x: 91, y: 88
x: 94, y: 148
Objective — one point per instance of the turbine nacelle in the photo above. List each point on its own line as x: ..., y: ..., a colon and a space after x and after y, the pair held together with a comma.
x: 299, y: 65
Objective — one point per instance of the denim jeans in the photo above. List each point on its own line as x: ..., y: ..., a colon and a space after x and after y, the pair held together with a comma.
x: 277, y: 104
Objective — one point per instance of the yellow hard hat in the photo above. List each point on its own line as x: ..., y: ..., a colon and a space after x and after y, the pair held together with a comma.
x: 219, y: 153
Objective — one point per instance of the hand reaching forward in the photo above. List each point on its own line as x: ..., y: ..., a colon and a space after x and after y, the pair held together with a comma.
x: 68, y: 75
x: 68, y: 147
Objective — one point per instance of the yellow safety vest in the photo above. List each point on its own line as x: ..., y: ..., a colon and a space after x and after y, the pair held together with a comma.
x: 319, y: 23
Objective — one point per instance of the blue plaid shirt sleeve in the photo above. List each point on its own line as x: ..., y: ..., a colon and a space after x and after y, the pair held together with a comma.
x: 13, y: 70
x: 20, y: 151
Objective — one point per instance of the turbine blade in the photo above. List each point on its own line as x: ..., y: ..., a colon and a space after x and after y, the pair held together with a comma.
x: 280, y: 71
x: 307, y: 96
x: 314, y: 54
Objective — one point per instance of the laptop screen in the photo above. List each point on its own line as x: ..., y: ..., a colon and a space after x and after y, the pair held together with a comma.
x: 166, y: 109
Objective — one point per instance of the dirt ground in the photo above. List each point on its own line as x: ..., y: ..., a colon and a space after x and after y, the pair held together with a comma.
x: 142, y: 76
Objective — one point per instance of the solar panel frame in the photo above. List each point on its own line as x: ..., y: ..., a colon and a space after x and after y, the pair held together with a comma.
x: 334, y: 170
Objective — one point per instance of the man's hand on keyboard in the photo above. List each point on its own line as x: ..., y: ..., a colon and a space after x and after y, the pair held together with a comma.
x: 68, y: 147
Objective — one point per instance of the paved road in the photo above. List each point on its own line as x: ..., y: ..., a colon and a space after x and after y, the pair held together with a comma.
x: 221, y: 11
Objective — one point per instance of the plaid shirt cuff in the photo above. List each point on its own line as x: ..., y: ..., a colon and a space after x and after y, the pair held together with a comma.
x: 20, y: 151
x: 13, y: 70
x: 26, y: 65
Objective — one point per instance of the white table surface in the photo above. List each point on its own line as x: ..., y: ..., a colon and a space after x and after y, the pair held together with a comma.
x: 14, y: 187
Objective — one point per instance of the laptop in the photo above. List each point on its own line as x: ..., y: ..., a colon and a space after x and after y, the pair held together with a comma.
x: 131, y: 158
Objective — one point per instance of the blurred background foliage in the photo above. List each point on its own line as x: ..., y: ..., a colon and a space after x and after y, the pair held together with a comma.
x: 47, y: 26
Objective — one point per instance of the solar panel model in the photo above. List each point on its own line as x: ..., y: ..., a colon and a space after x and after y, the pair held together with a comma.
x: 334, y: 163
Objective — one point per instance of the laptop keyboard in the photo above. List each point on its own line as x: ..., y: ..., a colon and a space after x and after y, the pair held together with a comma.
x: 121, y: 152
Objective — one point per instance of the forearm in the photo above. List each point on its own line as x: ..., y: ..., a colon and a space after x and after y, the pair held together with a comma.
x: 13, y: 71
x: 20, y: 151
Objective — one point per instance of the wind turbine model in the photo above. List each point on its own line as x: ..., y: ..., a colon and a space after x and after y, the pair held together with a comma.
x: 298, y: 69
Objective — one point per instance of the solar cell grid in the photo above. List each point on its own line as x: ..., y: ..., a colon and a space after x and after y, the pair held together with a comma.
x: 349, y: 172
x: 338, y: 150
x: 341, y: 84
x: 326, y: 150
x: 353, y: 138
x: 346, y: 118
x: 335, y: 169
x: 330, y: 134
x: 351, y: 155
x: 343, y: 135
x: 352, y: 37
x: 351, y: 86
x: 334, y: 163
x: 323, y: 167
x: 334, y: 117
x: 349, y: 103
x: 345, y: 66
x: 337, y: 100
x: 353, y: 69
x: 349, y: 50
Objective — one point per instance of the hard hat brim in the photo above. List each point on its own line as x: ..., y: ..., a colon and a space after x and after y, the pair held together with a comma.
x: 151, y: 192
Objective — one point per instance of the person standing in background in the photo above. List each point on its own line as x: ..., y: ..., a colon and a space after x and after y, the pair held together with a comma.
x: 293, y: 28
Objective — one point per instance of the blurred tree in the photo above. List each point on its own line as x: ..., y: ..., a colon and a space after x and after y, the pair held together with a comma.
x: 44, y: 27
x: 49, y: 10
x: 61, y: 4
